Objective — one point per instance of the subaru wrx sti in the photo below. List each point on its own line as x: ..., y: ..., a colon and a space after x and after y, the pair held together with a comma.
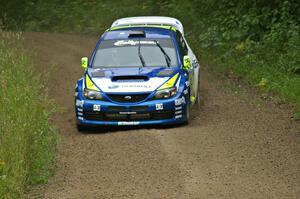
x: 141, y: 72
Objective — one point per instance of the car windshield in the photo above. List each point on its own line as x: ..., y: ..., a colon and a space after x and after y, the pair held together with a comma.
x: 125, y: 53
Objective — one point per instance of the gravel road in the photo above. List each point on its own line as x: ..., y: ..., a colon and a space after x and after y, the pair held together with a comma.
x: 236, y: 146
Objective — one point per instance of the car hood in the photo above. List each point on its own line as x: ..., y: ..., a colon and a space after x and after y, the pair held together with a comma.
x: 127, y: 80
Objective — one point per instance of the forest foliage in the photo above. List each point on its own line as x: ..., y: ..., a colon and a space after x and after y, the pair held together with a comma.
x: 261, y: 27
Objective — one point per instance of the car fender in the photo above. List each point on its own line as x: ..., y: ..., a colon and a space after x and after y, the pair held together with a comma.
x: 79, y: 86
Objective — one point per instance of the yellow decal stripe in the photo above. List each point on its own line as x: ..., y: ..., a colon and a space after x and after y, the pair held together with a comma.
x: 170, y: 83
x: 89, y: 84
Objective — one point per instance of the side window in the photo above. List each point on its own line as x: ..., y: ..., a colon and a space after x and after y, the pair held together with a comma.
x: 182, y: 45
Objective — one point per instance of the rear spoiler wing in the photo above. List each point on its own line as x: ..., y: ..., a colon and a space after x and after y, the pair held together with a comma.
x: 145, y: 21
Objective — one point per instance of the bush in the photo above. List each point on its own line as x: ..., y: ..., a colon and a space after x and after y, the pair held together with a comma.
x: 257, y: 40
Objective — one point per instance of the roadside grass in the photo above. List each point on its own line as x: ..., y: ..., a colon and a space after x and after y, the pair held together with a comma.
x: 266, y: 77
x: 269, y: 79
x: 27, y: 139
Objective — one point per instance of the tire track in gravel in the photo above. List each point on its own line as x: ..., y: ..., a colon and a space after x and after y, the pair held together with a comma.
x: 231, y: 149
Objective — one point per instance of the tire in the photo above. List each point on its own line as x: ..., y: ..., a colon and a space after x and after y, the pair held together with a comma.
x: 198, y: 100
x: 188, y: 113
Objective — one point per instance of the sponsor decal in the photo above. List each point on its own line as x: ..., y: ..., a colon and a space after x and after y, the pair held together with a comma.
x: 96, y: 107
x: 135, y: 86
x: 127, y: 113
x: 113, y: 86
x: 128, y: 123
x: 79, y: 103
x: 195, y: 63
x: 159, y: 107
x: 179, y: 101
x: 185, y: 92
x: 183, y: 100
x: 124, y: 86
x: 133, y: 43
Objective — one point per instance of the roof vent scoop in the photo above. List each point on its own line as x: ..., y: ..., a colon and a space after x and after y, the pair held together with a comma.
x: 136, y: 34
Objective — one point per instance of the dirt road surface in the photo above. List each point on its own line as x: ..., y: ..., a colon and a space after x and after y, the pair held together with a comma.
x: 235, y: 147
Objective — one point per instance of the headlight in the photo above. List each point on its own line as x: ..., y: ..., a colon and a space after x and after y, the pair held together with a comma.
x: 165, y: 93
x: 92, y: 95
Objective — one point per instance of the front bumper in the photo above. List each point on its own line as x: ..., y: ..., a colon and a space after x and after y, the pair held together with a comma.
x: 105, y: 113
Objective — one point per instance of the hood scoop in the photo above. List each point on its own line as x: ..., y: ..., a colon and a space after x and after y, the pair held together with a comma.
x: 130, y: 78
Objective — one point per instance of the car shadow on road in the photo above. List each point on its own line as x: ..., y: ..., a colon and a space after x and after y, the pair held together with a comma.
x: 115, y: 129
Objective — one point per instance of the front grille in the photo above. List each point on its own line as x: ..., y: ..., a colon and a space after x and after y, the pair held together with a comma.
x: 161, y: 115
x: 126, y: 117
x: 129, y: 98
x: 116, y: 108
x: 138, y: 108
x: 91, y: 115
x: 109, y: 116
x: 115, y: 117
x: 140, y: 116
x: 124, y: 108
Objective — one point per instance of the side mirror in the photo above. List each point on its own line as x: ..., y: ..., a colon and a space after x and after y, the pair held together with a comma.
x: 186, y: 62
x: 84, y: 62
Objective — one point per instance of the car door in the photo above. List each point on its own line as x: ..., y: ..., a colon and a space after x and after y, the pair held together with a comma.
x: 194, y: 70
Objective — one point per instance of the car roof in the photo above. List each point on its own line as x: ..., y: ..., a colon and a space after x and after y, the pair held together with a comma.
x: 149, y: 20
x: 150, y: 32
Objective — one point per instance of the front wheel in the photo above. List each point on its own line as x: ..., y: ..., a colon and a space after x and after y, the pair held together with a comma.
x: 187, y: 113
x: 198, y: 101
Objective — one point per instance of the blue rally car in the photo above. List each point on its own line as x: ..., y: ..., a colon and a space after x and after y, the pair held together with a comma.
x: 142, y: 72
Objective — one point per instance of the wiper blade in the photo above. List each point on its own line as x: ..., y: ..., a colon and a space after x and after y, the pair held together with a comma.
x: 140, y: 54
x: 168, y: 59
